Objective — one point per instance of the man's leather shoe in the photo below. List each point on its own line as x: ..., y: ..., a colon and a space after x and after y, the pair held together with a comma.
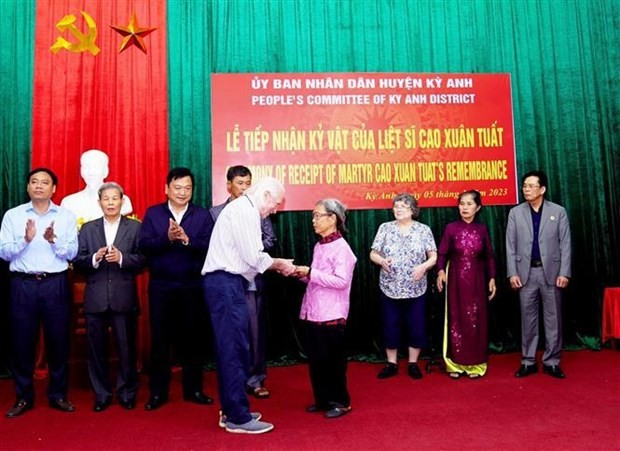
x: 526, y: 370
x: 127, y: 404
x: 314, y: 408
x: 198, y: 398
x: 154, y: 402
x: 64, y: 405
x: 337, y: 412
x: 554, y: 371
x: 100, y: 406
x: 18, y: 408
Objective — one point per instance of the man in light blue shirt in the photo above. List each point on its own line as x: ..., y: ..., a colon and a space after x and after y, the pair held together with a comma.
x: 38, y: 239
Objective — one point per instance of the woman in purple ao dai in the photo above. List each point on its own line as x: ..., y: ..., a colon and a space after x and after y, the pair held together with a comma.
x: 467, y: 265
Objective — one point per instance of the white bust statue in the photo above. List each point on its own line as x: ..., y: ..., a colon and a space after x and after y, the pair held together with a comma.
x: 85, y: 204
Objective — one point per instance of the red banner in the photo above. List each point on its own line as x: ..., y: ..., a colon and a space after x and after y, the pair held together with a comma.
x: 364, y: 137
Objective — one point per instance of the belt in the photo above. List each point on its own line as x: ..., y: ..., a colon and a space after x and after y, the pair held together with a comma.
x: 37, y: 275
x: 334, y: 322
x: 535, y: 264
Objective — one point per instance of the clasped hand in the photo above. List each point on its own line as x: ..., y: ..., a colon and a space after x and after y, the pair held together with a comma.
x: 111, y: 254
x: 176, y: 232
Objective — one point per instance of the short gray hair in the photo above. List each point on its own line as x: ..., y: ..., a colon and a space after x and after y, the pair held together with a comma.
x: 269, y: 185
x: 410, y: 201
x: 334, y: 206
x: 110, y: 185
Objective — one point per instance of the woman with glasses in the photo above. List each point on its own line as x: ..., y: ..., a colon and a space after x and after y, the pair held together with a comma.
x: 405, y: 250
x: 325, y: 308
x: 466, y: 245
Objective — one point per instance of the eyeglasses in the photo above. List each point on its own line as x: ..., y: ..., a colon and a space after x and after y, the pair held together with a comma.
x: 401, y: 207
x: 530, y: 186
x: 318, y: 215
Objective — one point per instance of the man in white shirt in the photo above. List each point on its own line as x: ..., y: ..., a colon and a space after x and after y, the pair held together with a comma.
x: 234, y: 258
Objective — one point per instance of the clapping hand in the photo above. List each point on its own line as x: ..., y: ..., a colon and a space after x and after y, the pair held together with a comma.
x: 31, y: 230
x: 49, y: 234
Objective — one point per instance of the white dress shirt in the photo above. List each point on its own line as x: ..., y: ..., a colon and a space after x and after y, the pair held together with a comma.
x: 236, y: 244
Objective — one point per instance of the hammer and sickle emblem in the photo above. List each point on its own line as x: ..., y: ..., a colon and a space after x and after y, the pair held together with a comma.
x: 86, y: 42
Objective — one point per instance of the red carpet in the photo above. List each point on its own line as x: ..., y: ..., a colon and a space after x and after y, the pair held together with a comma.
x: 496, y: 412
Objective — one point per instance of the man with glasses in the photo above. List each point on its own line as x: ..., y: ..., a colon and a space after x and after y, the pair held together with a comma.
x: 538, y: 254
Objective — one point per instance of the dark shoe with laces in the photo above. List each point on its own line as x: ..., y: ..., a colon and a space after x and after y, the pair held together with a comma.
x: 389, y: 370
x: 20, y: 407
x: 64, y: 405
x: 414, y: 371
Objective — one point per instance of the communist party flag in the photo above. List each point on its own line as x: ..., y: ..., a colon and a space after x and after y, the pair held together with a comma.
x: 100, y: 82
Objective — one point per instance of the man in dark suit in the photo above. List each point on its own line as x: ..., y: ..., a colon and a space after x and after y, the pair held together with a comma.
x: 108, y: 254
x: 538, y: 254
x: 174, y: 238
x: 238, y: 179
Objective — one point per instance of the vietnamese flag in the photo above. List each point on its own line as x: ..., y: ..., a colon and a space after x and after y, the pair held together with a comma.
x: 89, y: 95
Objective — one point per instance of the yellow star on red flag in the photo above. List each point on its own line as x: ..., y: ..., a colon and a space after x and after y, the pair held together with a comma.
x: 133, y: 34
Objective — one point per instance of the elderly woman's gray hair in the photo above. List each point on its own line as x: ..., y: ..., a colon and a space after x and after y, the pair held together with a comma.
x: 410, y: 202
x: 110, y: 185
x: 334, y: 206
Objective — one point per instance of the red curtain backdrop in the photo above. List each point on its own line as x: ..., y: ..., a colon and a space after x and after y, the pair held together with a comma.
x: 115, y: 102
x: 111, y: 101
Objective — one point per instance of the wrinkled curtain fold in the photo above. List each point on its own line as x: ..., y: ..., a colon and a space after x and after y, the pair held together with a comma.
x: 562, y: 57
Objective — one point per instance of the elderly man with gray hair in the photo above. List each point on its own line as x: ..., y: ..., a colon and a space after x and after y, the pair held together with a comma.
x: 109, y: 257
x: 234, y: 258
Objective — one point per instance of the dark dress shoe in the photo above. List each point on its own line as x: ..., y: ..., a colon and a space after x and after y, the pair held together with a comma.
x: 18, y: 408
x: 314, y: 408
x: 100, y: 406
x: 526, y: 370
x: 337, y: 412
x: 554, y: 371
x: 414, y: 371
x: 154, y: 402
x: 127, y: 404
x: 198, y: 398
x: 389, y: 370
x: 64, y: 405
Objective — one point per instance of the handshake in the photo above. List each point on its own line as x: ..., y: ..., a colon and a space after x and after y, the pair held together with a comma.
x: 286, y: 267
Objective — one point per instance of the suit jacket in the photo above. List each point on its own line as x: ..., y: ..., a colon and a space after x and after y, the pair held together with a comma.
x: 554, y: 241
x: 110, y: 285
